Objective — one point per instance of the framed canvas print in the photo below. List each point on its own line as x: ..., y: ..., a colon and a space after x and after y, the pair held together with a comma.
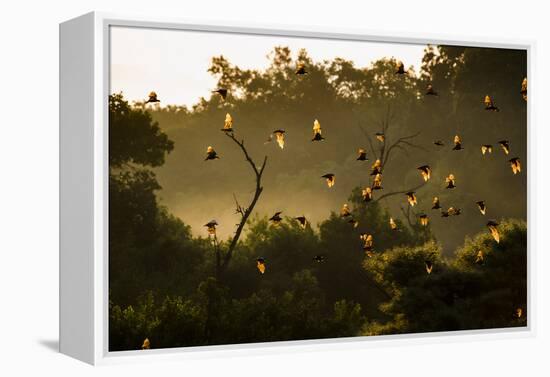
x: 229, y: 189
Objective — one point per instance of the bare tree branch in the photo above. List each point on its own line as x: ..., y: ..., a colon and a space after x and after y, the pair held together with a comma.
x: 258, y: 171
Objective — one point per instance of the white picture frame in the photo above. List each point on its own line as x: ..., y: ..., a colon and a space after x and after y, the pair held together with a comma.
x: 84, y: 90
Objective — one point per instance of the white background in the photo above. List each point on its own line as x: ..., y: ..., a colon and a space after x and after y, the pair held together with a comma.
x: 29, y: 185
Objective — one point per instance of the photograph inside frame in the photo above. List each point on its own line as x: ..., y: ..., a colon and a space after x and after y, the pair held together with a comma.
x: 267, y: 188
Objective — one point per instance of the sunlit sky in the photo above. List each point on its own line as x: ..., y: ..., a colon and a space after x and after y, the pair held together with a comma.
x: 174, y: 63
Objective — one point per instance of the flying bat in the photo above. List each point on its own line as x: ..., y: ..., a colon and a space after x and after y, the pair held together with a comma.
x: 344, y: 211
x: 439, y: 143
x: 458, y: 143
x: 429, y: 266
x: 515, y: 165
x: 228, y: 124
x: 423, y: 219
x: 260, y: 265
x: 376, y: 167
x: 489, y: 105
x: 435, y: 203
x: 524, y: 89
x: 380, y: 136
x: 301, y: 69
x: 450, y: 181
x: 486, y: 148
x: 519, y: 312
x: 482, y: 207
x: 505, y: 144
x: 493, y: 228
x: 302, y: 221
x: 362, y: 155
x: 146, y: 344
x: 479, y: 257
x: 276, y: 218
x: 280, y: 137
x: 368, y: 245
x: 211, y: 227
x: 317, y: 131
x: 367, y: 194
x: 430, y: 91
x: 222, y: 92
x: 152, y: 98
x: 330, y: 178
x: 354, y: 223
x: 393, y: 224
x: 454, y: 211
x: 377, y: 182
x: 211, y: 154
x: 411, y: 198
x: 425, y: 171
x: 400, y: 68
x: 319, y: 258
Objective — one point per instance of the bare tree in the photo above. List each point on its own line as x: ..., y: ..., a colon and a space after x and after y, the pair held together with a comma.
x: 222, y: 261
x: 389, y: 146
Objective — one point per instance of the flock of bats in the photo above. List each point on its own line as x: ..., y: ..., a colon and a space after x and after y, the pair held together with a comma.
x: 376, y: 172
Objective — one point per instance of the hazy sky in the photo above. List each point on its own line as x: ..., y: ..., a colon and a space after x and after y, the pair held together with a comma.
x: 174, y: 63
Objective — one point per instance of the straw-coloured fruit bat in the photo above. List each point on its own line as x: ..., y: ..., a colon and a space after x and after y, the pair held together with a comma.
x: 344, y: 211
x: 435, y: 203
x: 458, y: 143
x: 368, y: 240
x: 280, y: 137
x: 429, y: 266
x: 380, y: 136
x: 493, y: 228
x: 519, y: 312
x: 454, y: 211
x: 260, y: 265
x: 482, y: 207
x: 317, y: 131
x: 450, y: 181
x: 377, y: 182
x: 152, y: 98
x: 425, y: 171
x: 228, y: 124
x: 302, y: 221
x: 301, y: 69
x: 146, y: 344
x: 393, y: 224
x: 276, y: 218
x: 367, y: 194
x: 505, y: 144
x: 489, y: 105
x: 411, y: 198
x: 376, y: 167
x: 354, y: 223
x: 330, y: 178
x: 362, y: 155
x: 211, y: 154
x: 479, y: 257
x: 222, y: 92
x: 524, y: 89
x: 439, y: 143
x: 486, y: 148
x: 423, y: 219
x: 430, y: 91
x: 515, y: 165
x: 400, y: 68
x: 319, y: 258
x: 211, y: 227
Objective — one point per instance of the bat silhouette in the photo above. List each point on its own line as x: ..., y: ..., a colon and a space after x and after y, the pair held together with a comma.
x: 222, y: 92
x: 425, y: 171
x: 376, y: 167
x: 486, y: 148
x: 280, y: 137
x: 479, y: 257
x: 152, y: 98
x: 276, y: 218
x: 411, y: 198
x: 377, y: 182
x: 393, y: 224
x: 505, y: 144
x: 211, y: 154
x: 260, y: 265
x: 515, y: 165
x: 450, y: 181
x: 423, y: 219
x: 435, y: 202
x: 301, y: 69
x: 458, y: 143
x: 211, y: 227
x: 481, y: 206
x: 317, y: 131
x: 429, y: 266
x: 146, y: 344
x: 344, y: 211
x: 380, y: 136
x: 489, y: 104
x: 493, y: 228
x: 228, y: 124
x: 330, y: 178
x: 354, y: 223
x: 302, y: 221
x: 400, y: 68
x: 367, y: 194
x: 362, y: 155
